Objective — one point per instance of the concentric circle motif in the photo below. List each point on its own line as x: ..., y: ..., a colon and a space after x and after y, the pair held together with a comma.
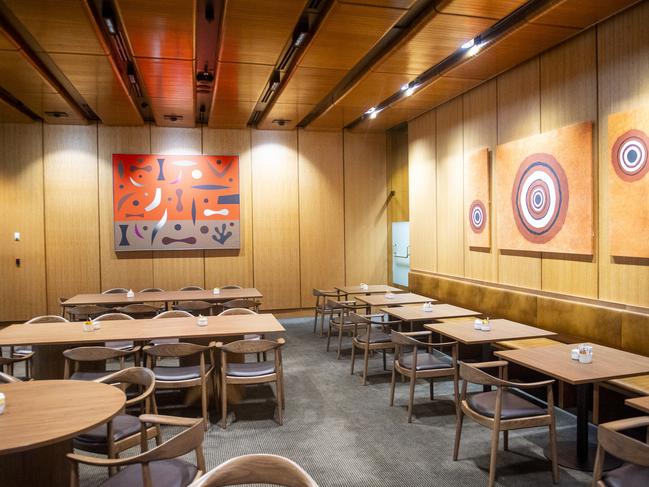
x: 629, y: 155
x: 477, y: 216
x: 540, y: 198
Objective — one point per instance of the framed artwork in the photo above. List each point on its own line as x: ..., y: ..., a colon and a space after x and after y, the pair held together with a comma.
x: 477, y: 183
x: 628, y: 183
x: 176, y: 202
x: 544, y: 191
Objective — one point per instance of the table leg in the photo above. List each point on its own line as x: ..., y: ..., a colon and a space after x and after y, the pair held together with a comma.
x: 486, y: 357
x: 40, y: 467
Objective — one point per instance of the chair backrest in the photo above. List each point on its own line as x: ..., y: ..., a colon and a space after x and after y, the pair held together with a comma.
x: 191, y: 288
x: 474, y: 375
x: 137, y: 376
x: 139, y: 309
x: 173, y: 313
x: 152, y: 290
x: 241, y: 303
x: 622, y: 446
x: 74, y: 356
x: 47, y: 319
x: 194, y: 306
x: 113, y: 317
x: 326, y: 292
x: 256, y: 469
x: 405, y: 340
x: 86, y: 311
x: 181, y: 349
x: 243, y: 347
x: 237, y: 311
x: 231, y: 286
x: 7, y: 379
x: 115, y: 290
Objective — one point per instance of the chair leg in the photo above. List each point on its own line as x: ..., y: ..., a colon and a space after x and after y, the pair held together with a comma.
x: 224, y: 403
x: 206, y: 416
x: 353, y: 357
x: 365, y: 363
x: 328, y: 335
x: 280, y: 400
x: 595, y: 403
x: 322, y: 320
x: 458, y: 433
x: 340, y: 342
x: 597, y: 468
x: 392, y: 383
x: 315, y: 320
x: 411, y: 397
x: 553, y: 453
x: 431, y: 387
x: 506, y: 440
x: 282, y: 384
x: 215, y: 391
x: 495, y: 436
x: 385, y: 361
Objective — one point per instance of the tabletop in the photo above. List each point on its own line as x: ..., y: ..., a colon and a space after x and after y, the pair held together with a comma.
x: 395, y: 300
x: 371, y: 289
x: 501, y: 330
x: 139, y: 330
x: 163, y: 296
x: 608, y: 363
x: 439, y: 311
x: 640, y: 403
x: 43, y: 412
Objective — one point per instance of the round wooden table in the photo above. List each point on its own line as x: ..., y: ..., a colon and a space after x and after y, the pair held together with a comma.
x: 39, y: 422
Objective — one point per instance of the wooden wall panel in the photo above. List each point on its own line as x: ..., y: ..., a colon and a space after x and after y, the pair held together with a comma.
x: 568, y: 96
x: 132, y: 270
x: 623, y: 49
x: 177, y: 268
x: 71, y: 211
x: 481, y: 130
x: 276, y: 218
x: 450, y: 194
x: 365, y: 208
x: 397, y: 167
x: 21, y: 200
x: 232, y: 266
x: 422, y: 164
x: 321, y: 204
x: 518, y: 117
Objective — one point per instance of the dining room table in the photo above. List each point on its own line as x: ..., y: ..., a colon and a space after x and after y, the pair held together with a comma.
x: 555, y: 361
x: 368, y: 289
x: 640, y: 403
x: 416, y: 313
x: 393, y: 299
x: 38, y: 424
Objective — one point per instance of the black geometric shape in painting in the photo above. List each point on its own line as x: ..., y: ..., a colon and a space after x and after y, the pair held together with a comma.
x: 123, y: 242
x: 217, y: 173
x: 179, y: 195
x: 194, y: 211
x: 161, y: 176
x: 187, y: 240
x: 221, y: 235
x: 210, y: 187
x: 229, y: 199
x: 120, y: 169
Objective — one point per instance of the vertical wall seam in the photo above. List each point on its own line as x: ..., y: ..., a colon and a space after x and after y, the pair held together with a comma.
x: 597, y: 196
x: 344, y: 209
x: 99, y: 220
x: 47, y: 306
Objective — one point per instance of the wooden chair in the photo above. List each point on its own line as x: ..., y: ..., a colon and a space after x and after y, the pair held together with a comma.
x: 251, y: 372
x: 191, y: 288
x: 339, y: 321
x: 245, y: 311
x: 321, y: 308
x: 430, y: 364
x: 23, y: 350
x: 500, y: 410
x: 124, y: 430
x: 635, y: 453
x: 195, y: 307
x: 184, y: 376
x: 115, y: 290
x: 173, y: 313
x: 152, y: 290
x: 74, y: 357
x: 257, y: 469
x: 86, y: 312
x: 242, y: 303
x: 139, y: 310
x: 159, y: 466
x: 7, y: 365
x: 231, y: 286
x: 8, y: 379
x: 120, y: 344
x: 369, y: 339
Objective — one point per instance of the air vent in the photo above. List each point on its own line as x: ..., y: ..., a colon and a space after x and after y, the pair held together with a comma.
x: 173, y: 118
x: 57, y: 114
x: 281, y: 121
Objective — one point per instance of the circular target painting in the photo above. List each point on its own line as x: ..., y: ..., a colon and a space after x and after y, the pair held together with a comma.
x: 477, y: 216
x: 629, y: 155
x: 540, y: 198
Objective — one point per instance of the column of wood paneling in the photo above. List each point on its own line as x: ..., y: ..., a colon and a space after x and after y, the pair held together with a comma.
x: 422, y: 193
x: 623, y: 49
x: 569, y: 95
x: 481, y: 130
x: 322, y: 230
x: 397, y: 168
x: 71, y: 211
x: 132, y: 270
x: 232, y: 266
x: 518, y: 117
x: 22, y: 293
x: 276, y: 218
x: 173, y: 269
x: 365, y: 208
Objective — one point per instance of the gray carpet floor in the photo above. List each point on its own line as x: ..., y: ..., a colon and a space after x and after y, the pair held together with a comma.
x: 346, y: 435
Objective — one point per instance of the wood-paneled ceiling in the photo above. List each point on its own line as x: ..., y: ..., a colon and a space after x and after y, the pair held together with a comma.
x: 59, y: 62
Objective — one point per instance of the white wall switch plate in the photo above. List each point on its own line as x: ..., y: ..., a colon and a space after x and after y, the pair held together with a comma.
x: 16, y: 236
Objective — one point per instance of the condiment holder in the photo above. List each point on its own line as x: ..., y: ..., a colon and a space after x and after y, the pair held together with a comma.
x: 364, y: 286
x: 585, y: 353
x: 428, y: 307
x: 216, y: 290
x: 96, y: 325
x: 477, y: 324
x: 88, y: 326
x: 130, y: 294
x: 486, y: 325
x: 574, y: 354
x: 201, y: 321
x: 2, y: 403
x: 389, y: 295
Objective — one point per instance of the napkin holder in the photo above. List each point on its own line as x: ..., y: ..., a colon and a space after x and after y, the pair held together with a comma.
x: 216, y: 290
x: 201, y: 321
x: 130, y: 294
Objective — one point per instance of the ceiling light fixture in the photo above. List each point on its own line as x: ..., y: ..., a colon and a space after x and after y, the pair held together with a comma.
x: 370, y: 111
x: 475, y: 49
x: 373, y: 115
x: 109, y: 18
x: 411, y: 90
x: 274, y: 81
x: 468, y: 44
x: 405, y: 87
x: 300, y: 38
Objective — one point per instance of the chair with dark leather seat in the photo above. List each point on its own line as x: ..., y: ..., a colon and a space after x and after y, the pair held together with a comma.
x: 339, y: 321
x: 74, y: 357
x: 322, y: 309
x: 242, y: 303
x: 152, y: 290
x: 366, y: 338
x: 256, y: 469
x: 184, y: 376
x: 231, y: 286
x: 502, y: 410
x: 120, y: 344
x: 172, y: 313
x: 27, y: 349
x: 428, y: 364
x: 124, y: 431
x: 195, y: 307
x: 191, y: 288
x: 86, y: 312
x: 7, y: 365
x: 139, y: 310
x: 158, y: 467
x: 115, y: 290
x: 251, y: 372
x: 635, y: 453
x: 244, y: 311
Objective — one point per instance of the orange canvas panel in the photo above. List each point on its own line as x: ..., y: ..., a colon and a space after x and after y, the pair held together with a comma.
x: 176, y: 202
x: 544, y: 191
x: 477, y: 198
x: 628, y: 183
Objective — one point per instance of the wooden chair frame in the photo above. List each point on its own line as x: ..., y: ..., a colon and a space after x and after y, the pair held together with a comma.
x: 245, y: 347
x: 86, y: 312
x: 256, y: 469
x: 7, y: 364
x: 321, y: 308
x: 473, y: 373
x: 196, y: 306
x: 8, y: 379
x: 241, y: 303
x: 188, y: 440
x: 367, y: 324
x: 339, y: 320
x: 16, y: 352
x: 231, y: 286
x: 139, y: 310
x: 180, y: 350
x: 611, y: 440
x: 75, y: 356
x: 408, y: 339
x: 115, y: 290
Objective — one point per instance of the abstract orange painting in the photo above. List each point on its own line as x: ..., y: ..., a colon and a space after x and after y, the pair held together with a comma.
x: 477, y: 199
x: 628, y: 183
x: 544, y: 191
x: 176, y: 202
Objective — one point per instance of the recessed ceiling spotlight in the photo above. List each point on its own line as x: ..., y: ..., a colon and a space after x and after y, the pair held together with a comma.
x: 468, y: 44
x: 373, y: 115
x: 410, y: 90
x: 108, y: 15
x: 475, y: 49
x: 405, y: 87
x: 370, y: 111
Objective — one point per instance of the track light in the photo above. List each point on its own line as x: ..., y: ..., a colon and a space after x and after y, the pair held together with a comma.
x: 468, y: 44
x: 130, y: 72
x: 301, y: 32
x: 405, y: 87
x: 108, y: 15
x: 370, y: 111
x: 473, y: 50
x: 274, y: 81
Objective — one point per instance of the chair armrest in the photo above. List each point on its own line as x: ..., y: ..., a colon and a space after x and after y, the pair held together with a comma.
x: 168, y: 420
x: 417, y: 333
x: 628, y: 423
x: 97, y: 461
x: 490, y: 365
x: 526, y: 385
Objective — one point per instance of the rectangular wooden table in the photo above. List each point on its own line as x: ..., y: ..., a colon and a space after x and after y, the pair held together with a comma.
x: 555, y: 361
x: 162, y: 296
x: 371, y: 289
x: 415, y: 312
x: 395, y: 300
x: 640, y: 403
